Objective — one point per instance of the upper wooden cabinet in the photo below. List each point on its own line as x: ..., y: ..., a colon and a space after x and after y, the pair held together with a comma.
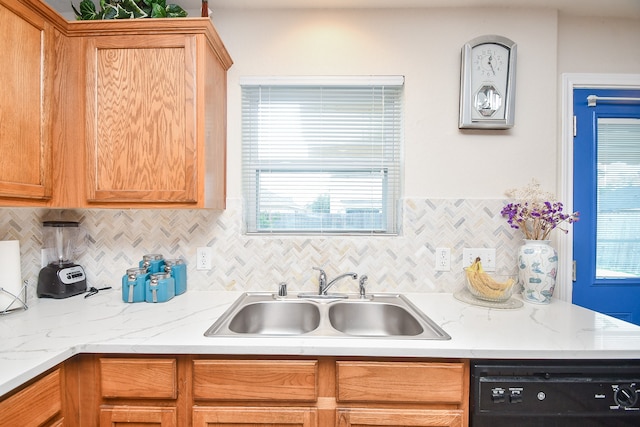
x: 26, y: 74
x: 154, y: 127
x: 125, y: 113
x: 141, y: 119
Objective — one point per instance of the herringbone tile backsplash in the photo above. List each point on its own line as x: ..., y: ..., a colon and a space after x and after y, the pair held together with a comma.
x: 117, y: 239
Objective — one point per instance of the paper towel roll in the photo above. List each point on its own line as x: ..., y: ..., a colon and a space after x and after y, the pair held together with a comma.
x: 11, y: 277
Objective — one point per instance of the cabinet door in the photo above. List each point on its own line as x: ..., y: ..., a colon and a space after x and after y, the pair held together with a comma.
x: 138, y: 416
x: 398, y: 417
x: 254, y: 417
x: 26, y: 75
x: 141, y: 119
x: 36, y: 405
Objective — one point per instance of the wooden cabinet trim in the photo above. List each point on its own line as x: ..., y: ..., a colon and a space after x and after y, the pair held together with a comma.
x: 138, y: 378
x: 25, y: 12
x: 150, y: 27
x: 256, y: 380
x: 407, y: 382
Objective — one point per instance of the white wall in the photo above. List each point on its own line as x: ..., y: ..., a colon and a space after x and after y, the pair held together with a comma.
x: 597, y: 45
x: 446, y: 169
x: 423, y: 45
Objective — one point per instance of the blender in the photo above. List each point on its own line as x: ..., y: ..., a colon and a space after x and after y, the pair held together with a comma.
x: 61, y: 277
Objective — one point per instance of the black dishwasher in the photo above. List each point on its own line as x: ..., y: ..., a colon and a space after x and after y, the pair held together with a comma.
x: 536, y: 393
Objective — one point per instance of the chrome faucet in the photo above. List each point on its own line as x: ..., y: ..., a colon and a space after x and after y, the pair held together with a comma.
x: 324, y: 285
x: 362, y: 286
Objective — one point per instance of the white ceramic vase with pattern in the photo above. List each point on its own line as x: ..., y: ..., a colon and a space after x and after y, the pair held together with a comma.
x: 537, y: 270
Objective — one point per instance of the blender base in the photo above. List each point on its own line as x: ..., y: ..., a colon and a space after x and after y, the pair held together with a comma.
x: 61, y: 281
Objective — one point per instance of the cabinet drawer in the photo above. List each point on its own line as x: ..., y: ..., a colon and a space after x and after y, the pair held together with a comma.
x: 400, y: 382
x: 33, y: 405
x: 273, y: 380
x: 139, y: 416
x: 138, y: 378
x: 207, y: 416
x: 363, y: 417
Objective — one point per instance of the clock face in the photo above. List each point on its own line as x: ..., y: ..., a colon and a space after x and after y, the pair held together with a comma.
x: 489, y: 75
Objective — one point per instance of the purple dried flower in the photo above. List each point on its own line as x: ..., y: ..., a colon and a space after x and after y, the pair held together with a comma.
x: 537, y: 217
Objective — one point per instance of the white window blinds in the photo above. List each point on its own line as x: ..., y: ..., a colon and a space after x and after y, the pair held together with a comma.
x: 322, y: 156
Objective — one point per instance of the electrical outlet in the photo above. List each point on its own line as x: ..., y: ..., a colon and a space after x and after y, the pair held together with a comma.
x: 443, y: 259
x: 203, y: 258
x: 487, y: 257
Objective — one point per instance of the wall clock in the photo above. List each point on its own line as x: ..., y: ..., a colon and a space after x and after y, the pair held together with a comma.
x: 487, y: 83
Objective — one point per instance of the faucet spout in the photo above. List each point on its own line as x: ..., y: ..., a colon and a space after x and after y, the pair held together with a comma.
x: 327, y: 285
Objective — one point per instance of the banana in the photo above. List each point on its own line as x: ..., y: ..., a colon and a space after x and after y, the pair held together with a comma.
x: 484, y: 284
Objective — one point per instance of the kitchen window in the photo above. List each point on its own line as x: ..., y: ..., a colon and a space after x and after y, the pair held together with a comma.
x: 322, y: 155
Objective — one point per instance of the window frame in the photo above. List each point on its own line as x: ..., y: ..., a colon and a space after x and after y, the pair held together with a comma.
x: 390, y: 212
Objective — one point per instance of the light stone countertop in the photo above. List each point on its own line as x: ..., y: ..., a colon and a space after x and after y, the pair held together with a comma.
x: 51, y: 331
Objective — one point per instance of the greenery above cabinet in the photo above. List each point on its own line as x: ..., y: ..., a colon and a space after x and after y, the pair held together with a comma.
x: 127, y: 9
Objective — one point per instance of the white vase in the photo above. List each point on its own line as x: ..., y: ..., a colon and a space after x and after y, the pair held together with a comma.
x: 537, y: 270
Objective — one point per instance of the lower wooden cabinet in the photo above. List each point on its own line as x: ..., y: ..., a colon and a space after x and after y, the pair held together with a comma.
x: 330, y: 392
x: 138, y: 416
x: 140, y: 378
x: 243, y: 383
x: 399, y: 417
x: 38, y: 404
x: 140, y: 391
x: 401, y: 382
x: 254, y: 417
x: 208, y: 391
x: 255, y: 380
x: 422, y: 393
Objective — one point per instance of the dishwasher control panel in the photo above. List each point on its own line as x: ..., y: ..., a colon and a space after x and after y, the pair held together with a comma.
x: 556, y: 395
x: 584, y: 393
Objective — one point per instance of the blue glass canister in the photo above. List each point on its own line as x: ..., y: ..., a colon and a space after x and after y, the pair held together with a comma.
x: 154, y: 263
x: 160, y: 287
x: 134, y: 285
x: 178, y: 270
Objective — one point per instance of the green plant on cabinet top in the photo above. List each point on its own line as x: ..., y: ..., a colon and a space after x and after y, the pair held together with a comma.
x: 128, y: 9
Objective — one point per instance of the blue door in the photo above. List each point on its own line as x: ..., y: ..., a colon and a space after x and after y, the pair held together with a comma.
x: 606, y: 180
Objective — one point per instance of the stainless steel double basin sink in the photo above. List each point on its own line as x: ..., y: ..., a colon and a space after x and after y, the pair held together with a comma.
x: 257, y: 314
